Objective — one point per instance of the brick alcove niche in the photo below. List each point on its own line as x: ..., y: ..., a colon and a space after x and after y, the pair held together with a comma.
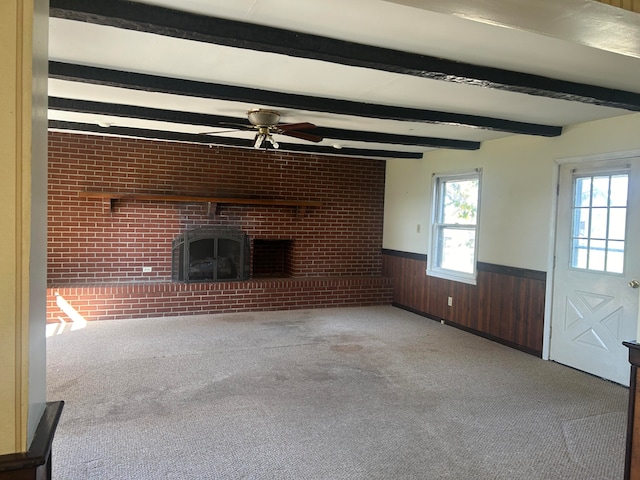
x: 112, y: 260
x: 272, y: 258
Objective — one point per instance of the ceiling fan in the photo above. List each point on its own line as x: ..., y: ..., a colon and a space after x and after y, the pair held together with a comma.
x: 266, y: 123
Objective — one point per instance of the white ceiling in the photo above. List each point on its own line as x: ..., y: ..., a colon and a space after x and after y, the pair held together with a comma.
x: 579, y: 41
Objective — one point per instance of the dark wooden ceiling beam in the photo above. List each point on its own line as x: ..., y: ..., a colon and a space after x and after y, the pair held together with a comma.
x: 206, y: 120
x: 380, y: 137
x: 225, y: 141
x: 177, y: 86
x: 191, y: 26
x: 144, y: 113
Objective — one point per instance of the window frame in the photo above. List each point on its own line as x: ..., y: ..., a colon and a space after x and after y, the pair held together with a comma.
x: 592, y: 173
x: 434, y: 268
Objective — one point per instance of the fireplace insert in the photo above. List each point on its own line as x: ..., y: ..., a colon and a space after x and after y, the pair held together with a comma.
x: 210, y: 255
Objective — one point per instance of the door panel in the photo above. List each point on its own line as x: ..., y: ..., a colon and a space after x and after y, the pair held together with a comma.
x: 594, y: 309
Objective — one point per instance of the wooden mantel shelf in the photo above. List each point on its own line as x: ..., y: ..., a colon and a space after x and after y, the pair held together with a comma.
x: 113, y: 197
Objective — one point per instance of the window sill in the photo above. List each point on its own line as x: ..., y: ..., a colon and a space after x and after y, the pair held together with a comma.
x: 452, y: 275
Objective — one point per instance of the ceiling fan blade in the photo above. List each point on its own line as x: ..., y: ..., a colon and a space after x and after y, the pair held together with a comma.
x: 301, y: 135
x: 295, y: 126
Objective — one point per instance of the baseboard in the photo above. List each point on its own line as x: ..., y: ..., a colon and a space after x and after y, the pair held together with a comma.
x: 473, y: 331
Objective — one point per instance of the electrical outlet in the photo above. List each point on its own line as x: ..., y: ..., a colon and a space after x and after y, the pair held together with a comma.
x: 146, y: 269
x: 450, y: 301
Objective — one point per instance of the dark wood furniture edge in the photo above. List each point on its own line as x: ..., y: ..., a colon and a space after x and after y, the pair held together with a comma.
x: 634, y: 360
x: 634, y: 352
x: 39, y: 452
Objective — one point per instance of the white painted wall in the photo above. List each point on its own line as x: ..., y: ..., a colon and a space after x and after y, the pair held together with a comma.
x: 23, y: 220
x: 38, y: 240
x: 519, y: 175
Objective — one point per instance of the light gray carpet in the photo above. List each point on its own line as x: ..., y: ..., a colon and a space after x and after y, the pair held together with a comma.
x: 353, y: 393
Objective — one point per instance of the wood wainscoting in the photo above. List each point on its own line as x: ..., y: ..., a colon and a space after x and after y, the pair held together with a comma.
x: 506, y: 304
x: 631, y: 5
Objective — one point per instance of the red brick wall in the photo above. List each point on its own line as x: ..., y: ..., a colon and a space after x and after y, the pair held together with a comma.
x: 90, y: 246
x: 146, y: 300
x: 96, y: 256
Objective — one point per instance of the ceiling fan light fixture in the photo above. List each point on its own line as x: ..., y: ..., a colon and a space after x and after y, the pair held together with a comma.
x: 260, y: 117
x: 259, y: 139
x: 266, y: 123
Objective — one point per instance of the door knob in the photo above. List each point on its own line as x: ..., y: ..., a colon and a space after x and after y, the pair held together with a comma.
x: 634, y: 284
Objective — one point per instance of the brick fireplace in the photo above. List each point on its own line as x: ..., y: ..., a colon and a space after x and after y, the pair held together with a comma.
x: 112, y: 257
x: 210, y: 255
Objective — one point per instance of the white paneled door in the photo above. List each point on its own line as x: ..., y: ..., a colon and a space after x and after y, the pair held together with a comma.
x: 597, y: 267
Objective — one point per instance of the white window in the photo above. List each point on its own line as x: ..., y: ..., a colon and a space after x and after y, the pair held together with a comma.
x: 599, y: 222
x: 455, y: 226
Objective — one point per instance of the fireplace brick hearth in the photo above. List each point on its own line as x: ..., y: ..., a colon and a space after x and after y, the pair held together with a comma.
x: 116, y: 262
x: 144, y: 300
